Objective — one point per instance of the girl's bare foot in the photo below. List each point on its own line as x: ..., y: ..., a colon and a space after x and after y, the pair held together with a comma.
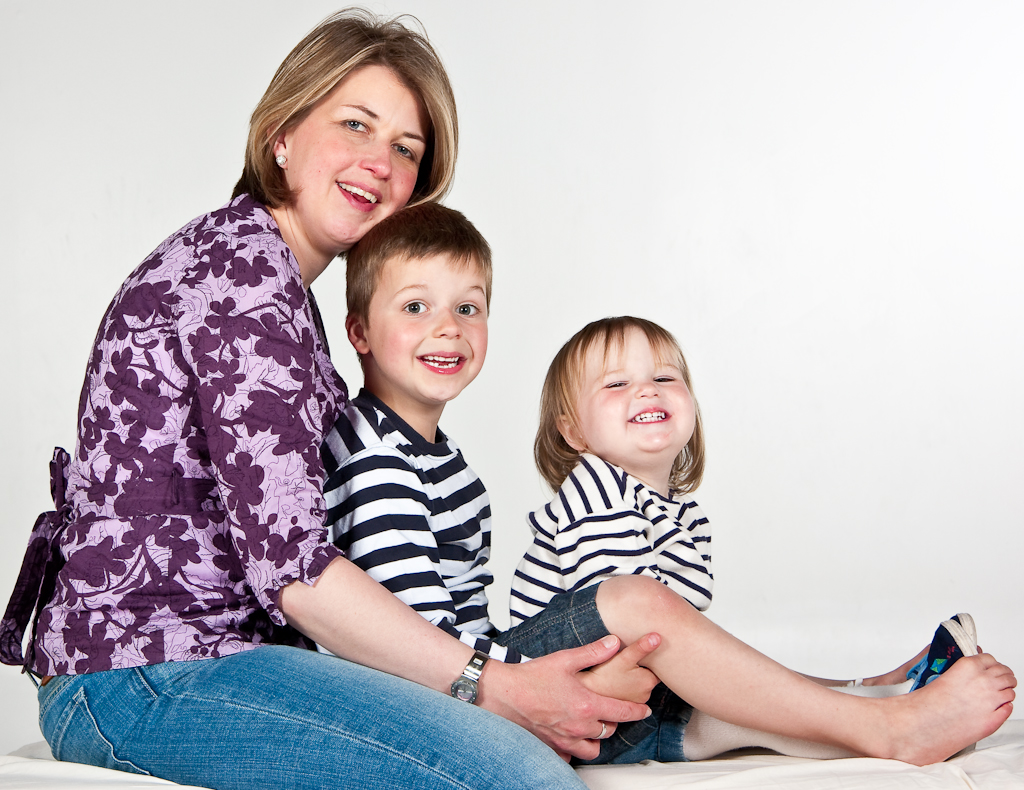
x: 967, y: 703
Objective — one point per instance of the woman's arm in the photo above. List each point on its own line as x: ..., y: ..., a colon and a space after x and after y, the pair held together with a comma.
x: 358, y: 619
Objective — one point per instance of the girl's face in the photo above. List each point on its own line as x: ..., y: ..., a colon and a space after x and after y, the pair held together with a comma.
x: 634, y: 410
x: 353, y: 161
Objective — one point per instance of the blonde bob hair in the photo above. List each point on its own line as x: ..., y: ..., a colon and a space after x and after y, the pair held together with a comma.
x: 346, y: 41
x: 554, y: 457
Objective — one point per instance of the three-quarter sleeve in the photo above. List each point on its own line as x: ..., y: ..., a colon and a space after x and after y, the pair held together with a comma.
x: 247, y: 335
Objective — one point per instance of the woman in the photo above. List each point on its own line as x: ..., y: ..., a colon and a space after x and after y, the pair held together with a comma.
x: 185, y: 565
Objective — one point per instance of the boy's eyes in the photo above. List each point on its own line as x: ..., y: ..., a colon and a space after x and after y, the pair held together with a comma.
x: 467, y: 309
x: 415, y: 308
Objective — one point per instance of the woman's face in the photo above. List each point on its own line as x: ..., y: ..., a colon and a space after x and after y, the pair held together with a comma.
x: 351, y: 162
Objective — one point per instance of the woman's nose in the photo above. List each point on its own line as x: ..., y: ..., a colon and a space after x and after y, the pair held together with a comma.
x: 377, y: 159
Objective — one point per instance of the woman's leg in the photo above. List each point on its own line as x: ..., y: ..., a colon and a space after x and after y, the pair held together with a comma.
x: 278, y: 717
x: 731, y: 681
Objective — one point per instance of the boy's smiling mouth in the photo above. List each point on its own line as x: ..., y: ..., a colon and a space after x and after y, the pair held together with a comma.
x: 655, y: 415
x: 442, y: 363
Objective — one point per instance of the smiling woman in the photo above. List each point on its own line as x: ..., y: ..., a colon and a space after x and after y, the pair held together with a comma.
x: 176, y: 582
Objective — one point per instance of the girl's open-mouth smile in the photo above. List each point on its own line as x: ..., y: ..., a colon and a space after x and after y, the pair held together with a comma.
x: 653, y: 415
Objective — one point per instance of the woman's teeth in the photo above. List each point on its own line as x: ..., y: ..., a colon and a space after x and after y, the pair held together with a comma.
x: 357, y: 191
x: 650, y: 416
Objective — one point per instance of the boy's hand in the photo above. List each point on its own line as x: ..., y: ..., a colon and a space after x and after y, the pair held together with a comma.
x: 622, y: 677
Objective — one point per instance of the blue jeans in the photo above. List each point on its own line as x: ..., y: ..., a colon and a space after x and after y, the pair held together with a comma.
x: 281, y: 717
x: 572, y: 620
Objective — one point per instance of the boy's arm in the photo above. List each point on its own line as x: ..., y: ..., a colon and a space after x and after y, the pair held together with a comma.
x: 380, y: 518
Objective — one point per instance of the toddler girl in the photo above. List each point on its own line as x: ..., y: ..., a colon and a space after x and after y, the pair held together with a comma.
x: 621, y: 443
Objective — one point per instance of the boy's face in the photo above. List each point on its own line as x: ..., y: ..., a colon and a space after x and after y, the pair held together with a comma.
x: 634, y: 411
x: 424, y: 338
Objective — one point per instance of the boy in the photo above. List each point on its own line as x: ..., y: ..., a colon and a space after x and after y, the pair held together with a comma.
x: 402, y: 502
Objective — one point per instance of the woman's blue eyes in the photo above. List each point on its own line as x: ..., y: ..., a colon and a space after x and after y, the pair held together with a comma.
x: 402, y: 150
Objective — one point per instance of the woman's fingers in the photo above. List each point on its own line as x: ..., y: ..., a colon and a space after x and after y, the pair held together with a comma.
x: 547, y: 697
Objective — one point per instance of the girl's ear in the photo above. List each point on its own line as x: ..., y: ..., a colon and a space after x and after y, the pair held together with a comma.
x: 570, y: 434
x: 356, y: 330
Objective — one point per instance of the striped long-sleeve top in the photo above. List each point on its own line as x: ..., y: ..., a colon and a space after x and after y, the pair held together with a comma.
x: 604, y: 523
x: 414, y: 516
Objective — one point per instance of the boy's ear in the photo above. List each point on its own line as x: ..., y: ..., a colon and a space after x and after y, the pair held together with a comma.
x: 570, y: 434
x: 356, y: 330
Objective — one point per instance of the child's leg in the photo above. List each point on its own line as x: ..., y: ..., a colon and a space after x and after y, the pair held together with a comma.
x: 707, y: 737
x: 723, y: 677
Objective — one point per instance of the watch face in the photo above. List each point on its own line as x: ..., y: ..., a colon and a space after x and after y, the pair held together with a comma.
x: 464, y: 689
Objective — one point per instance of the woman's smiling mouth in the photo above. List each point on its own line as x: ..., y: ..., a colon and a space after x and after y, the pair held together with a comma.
x: 362, y: 193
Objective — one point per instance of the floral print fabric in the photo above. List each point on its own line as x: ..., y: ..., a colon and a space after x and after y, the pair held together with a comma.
x: 194, y: 493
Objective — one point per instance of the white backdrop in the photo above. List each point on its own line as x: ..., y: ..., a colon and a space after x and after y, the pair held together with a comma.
x: 822, y: 200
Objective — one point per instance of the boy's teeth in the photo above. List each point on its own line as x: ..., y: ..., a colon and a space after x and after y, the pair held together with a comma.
x: 650, y: 416
x: 358, y: 191
x: 442, y: 362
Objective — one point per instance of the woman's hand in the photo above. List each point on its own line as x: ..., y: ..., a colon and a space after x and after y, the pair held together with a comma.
x: 547, y: 696
x: 622, y: 677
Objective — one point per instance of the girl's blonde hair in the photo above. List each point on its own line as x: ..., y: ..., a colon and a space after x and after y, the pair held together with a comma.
x: 344, y: 42
x: 554, y: 456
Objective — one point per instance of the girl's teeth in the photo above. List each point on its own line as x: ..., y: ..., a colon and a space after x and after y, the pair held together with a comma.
x: 650, y: 416
x: 360, y: 192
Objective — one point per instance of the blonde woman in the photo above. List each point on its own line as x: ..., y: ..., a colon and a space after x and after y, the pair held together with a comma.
x: 185, y: 571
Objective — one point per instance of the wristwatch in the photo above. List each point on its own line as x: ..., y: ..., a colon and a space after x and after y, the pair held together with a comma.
x: 467, y: 686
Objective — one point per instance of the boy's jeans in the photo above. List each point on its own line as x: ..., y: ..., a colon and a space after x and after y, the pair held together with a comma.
x: 281, y: 717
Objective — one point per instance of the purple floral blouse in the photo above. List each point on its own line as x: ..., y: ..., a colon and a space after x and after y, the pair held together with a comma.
x: 194, y: 494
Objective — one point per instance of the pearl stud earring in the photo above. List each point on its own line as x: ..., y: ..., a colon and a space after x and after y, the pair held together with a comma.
x: 281, y: 160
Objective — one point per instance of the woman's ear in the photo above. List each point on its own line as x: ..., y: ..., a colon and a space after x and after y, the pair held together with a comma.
x: 355, y: 327
x: 570, y: 434
x: 280, y: 146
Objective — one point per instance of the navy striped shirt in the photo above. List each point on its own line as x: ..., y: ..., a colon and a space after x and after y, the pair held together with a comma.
x: 603, y: 523
x: 414, y: 516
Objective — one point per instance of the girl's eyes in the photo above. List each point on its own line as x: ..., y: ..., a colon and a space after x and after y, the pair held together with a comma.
x: 615, y: 385
x: 664, y: 379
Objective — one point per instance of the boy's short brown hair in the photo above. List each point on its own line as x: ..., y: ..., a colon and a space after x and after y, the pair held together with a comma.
x: 417, y: 232
x: 554, y: 456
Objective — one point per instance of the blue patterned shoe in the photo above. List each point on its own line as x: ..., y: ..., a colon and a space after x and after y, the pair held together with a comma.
x: 954, y: 639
